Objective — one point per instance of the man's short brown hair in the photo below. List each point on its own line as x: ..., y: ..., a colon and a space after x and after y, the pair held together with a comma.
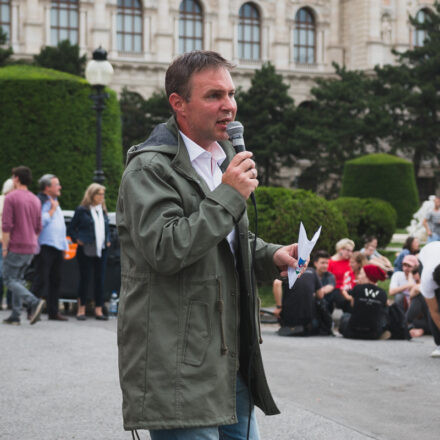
x: 178, y: 75
x: 24, y: 174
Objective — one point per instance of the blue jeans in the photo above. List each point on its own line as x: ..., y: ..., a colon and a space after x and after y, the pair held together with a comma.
x: 237, y: 431
x: 14, y: 268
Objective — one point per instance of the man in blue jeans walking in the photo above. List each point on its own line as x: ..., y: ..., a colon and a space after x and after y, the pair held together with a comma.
x: 21, y: 224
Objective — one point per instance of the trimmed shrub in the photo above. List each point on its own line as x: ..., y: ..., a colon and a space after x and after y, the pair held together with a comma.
x: 367, y: 217
x: 280, y: 211
x: 385, y: 177
x: 49, y: 125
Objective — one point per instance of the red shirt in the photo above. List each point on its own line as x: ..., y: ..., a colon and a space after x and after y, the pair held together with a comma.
x: 338, y: 269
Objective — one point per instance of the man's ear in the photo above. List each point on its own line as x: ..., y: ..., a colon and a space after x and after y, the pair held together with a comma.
x: 177, y: 103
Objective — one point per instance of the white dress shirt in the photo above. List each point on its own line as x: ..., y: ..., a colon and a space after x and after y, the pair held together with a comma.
x: 207, y: 165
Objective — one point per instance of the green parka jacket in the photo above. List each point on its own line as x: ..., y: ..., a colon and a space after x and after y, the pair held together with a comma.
x: 187, y: 318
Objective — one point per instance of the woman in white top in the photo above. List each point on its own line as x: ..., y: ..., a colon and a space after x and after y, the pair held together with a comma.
x: 89, y: 228
x: 402, y: 281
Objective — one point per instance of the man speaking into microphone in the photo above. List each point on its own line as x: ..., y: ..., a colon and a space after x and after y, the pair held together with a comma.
x: 188, y: 328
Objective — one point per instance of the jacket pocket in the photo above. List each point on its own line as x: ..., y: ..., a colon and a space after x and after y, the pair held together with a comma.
x: 197, y: 333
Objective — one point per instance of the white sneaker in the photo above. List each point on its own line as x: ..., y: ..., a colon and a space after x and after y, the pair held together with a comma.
x: 436, y: 352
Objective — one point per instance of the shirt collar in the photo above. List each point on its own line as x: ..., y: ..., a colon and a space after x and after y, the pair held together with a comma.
x: 195, y: 150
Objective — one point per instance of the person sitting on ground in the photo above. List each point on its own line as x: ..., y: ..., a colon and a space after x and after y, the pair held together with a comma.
x: 339, y: 265
x: 374, y: 257
x: 368, y: 318
x: 402, y: 282
x: 299, y: 309
x: 320, y: 262
x: 357, y: 261
x: 410, y: 247
x: 417, y: 315
x: 432, y: 221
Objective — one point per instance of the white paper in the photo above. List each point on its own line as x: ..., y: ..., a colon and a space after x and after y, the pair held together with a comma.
x: 305, y: 247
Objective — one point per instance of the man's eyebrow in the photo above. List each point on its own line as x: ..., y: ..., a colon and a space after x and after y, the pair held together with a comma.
x: 214, y: 90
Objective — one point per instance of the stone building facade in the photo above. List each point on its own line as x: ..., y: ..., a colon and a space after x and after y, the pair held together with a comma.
x: 300, y: 37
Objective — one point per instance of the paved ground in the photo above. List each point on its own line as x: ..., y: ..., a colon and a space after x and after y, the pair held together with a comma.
x: 59, y: 382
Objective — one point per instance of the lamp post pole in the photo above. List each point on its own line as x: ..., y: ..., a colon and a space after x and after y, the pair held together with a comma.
x: 99, y: 105
x: 99, y: 73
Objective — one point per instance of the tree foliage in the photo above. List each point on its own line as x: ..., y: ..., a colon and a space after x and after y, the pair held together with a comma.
x: 267, y: 113
x: 411, y: 92
x: 367, y: 217
x: 385, y: 177
x: 344, y: 119
x: 4, y: 53
x: 48, y: 124
x: 64, y: 57
x: 140, y: 116
x: 281, y: 210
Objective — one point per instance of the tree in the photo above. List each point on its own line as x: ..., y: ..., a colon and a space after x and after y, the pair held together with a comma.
x: 344, y: 119
x: 4, y: 53
x: 411, y: 91
x: 140, y: 116
x: 267, y: 113
x: 64, y: 57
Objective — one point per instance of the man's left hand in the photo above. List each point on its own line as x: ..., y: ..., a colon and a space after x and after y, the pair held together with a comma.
x: 287, y: 256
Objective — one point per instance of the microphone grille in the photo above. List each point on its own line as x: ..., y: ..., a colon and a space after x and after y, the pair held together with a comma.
x: 235, y: 129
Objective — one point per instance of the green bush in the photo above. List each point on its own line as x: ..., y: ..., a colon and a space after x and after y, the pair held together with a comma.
x: 280, y: 211
x: 367, y: 217
x: 385, y: 177
x: 49, y: 125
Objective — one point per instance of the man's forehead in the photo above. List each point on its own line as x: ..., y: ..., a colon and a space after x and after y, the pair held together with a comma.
x: 213, y: 78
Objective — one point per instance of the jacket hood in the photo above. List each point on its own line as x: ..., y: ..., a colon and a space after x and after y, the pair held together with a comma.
x: 163, y: 139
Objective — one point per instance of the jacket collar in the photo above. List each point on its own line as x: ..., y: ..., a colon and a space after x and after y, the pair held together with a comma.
x: 182, y: 162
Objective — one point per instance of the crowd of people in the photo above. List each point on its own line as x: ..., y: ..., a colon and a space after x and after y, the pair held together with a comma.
x: 33, y: 232
x: 348, y: 281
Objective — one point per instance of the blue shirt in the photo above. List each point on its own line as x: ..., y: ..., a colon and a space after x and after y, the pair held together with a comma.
x: 54, y: 228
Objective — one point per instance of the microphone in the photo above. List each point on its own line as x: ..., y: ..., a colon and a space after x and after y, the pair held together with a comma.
x: 235, y: 131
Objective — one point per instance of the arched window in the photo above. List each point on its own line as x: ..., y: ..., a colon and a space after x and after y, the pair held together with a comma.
x: 5, y: 17
x: 419, y: 35
x: 64, y: 21
x: 304, y: 37
x: 129, y: 26
x: 190, y: 26
x: 249, y: 33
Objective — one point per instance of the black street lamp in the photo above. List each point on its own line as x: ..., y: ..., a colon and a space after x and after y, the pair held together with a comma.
x: 99, y: 73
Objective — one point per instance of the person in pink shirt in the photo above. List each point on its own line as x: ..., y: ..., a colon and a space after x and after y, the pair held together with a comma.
x: 21, y: 224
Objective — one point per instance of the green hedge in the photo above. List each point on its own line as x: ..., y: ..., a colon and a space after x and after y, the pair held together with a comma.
x: 280, y: 211
x: 49, y: 125
x: 385, y: 177
x: 367, y: 217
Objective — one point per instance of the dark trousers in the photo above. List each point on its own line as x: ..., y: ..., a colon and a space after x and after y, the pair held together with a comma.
x: 336, y: 299
x: 417, y: 314
x: 434, y: 329
x: 87, y: 265
x: 47, y: 277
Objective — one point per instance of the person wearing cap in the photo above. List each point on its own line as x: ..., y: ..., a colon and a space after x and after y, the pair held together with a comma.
x: 402, y: 281
x: 368, y: 301
x: 430, y: 288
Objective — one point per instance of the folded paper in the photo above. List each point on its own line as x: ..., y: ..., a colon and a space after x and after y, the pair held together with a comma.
x: 305, y: 247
